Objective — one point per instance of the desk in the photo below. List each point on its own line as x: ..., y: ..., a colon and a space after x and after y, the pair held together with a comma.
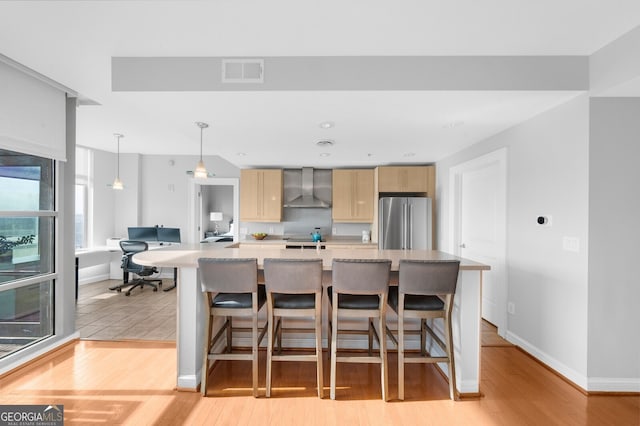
x: 190, y: 321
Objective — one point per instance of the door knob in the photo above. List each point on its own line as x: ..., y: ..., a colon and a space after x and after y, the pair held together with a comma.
x: 463, y: 245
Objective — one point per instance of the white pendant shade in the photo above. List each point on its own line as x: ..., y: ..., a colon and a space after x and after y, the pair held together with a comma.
x: 117, y: 183
x: 201, y: 171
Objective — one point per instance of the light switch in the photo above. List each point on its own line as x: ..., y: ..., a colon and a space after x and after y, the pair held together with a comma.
x: 571, y: 244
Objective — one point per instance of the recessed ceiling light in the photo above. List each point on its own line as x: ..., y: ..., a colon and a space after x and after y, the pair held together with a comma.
x: 325, y: 142
x: 324, y: 154
x: 241, y: 154
x: 326, y: 124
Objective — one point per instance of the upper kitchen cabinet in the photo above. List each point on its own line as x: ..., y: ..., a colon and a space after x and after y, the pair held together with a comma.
x: 412, y: 179
x: 353, y: 195
x: 261, y: 195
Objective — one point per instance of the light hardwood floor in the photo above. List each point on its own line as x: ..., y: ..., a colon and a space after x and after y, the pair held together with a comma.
x: 114, y: 381
x: 133, y: 383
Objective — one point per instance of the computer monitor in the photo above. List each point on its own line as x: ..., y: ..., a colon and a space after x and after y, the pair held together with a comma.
x: 169, y: 235
x: 143, y: 233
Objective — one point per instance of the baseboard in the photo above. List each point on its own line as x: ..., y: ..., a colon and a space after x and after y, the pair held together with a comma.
x: 558, y: 367
x: 24, y: 357
x: 588, y: 385
x: 93, y: 279
x: 189, y: 382
x: 612, y: 384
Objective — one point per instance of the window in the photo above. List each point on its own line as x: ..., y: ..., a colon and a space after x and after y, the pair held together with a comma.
x: 83, y: 160
x: 27, y: 231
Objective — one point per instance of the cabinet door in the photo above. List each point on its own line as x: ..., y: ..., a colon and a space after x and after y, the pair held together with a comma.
x: 353, y: 195
x: 260, y: 195
x: 249, y: 195
x: 404, y: 179
x: 272, y: 195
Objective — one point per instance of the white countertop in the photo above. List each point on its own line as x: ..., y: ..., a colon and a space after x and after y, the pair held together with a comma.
x: 186, y: 256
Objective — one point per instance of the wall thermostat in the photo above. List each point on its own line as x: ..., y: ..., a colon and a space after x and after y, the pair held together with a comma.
x: 543, y: 220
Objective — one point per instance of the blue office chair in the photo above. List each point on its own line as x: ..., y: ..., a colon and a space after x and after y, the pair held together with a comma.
x: 129, y: 248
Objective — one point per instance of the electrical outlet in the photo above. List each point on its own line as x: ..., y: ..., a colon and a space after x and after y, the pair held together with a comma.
x: 271, y: 230
x: 511, y: 308
x: 334, y: 231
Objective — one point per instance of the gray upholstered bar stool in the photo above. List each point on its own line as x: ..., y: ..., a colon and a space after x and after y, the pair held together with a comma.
x: 359, y: 290
x: 425, y: 291
x: 232, y: 290
x: 294, y: 289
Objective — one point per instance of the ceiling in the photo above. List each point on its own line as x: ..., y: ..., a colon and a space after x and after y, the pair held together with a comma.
x: 72, y: 42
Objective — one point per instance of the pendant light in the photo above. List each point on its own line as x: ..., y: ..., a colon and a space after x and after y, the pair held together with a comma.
x: 117, y: 183
x: 201, y: 171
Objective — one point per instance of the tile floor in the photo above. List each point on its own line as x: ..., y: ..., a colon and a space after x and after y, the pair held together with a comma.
x: 104, y: 314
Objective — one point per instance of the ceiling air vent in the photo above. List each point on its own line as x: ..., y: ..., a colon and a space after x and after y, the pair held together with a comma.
x: 243, y: 70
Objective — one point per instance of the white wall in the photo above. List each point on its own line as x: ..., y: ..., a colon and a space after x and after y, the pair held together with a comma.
x: 102, y: 198
x: 155, y: 191
x: 164, y: 183
x: 547, y: 175
x: 615, y: 69
x: 614, y: 233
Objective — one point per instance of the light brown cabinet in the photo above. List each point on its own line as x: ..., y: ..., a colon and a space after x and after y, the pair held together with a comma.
x: 261, y: 195
x: 410, y: 180
x: 414, y: 179
x: 353, y: 195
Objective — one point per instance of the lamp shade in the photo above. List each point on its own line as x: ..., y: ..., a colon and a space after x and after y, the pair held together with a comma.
x: 117, y: 184
x: 215, y: 216
x: 201, y: 171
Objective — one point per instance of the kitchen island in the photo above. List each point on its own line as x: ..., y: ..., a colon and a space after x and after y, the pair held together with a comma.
x: 190, y: 310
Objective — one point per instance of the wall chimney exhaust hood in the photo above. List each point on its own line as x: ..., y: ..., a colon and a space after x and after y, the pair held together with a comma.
x: 307, y: 188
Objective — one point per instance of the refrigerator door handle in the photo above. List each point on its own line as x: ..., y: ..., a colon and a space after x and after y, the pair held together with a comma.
x: 410, y: 225
x: 404, y: 225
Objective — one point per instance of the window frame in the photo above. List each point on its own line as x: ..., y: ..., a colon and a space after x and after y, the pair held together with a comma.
x: 47, y: 319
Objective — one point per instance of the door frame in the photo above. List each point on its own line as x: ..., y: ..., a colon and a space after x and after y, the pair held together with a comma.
x: 455, y: 230
x: 195, y: 222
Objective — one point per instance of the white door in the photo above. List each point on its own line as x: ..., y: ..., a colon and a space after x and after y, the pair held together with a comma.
x: 197, y: 217
x: 480, y: 207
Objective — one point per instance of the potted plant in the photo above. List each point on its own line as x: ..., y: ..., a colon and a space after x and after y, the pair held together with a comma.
x: 6, y: 245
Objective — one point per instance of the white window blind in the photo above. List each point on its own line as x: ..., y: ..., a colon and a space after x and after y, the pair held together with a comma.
x: 32, y: 115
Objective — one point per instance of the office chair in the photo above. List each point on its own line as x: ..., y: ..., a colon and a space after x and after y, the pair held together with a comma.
x: 129, y: 248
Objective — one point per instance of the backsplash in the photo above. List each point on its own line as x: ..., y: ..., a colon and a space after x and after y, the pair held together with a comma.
x: 302, y: 221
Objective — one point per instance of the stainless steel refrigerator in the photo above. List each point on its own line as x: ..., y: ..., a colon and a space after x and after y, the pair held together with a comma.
x: 404, y: 223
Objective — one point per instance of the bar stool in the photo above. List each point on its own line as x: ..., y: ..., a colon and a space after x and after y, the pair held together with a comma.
x: 425, y: 291
x: 359, y: 290
x: 232, y: 290
x: 294, y: 289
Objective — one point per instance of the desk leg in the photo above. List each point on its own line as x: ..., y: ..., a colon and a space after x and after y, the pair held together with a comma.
x: 175, y: 280
x: 77, y: 269
x: 190, y: 329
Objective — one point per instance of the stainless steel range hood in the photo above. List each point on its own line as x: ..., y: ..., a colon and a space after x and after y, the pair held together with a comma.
x: 307, y: 188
